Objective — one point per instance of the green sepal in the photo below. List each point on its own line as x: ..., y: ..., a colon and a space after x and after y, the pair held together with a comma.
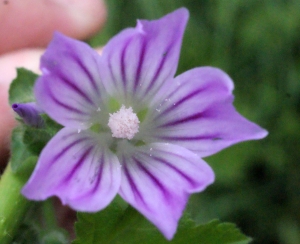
x: 35, y: 139
x: 19, y: 151
x: 38, y: 228
x: 115, y: 225
x: 21, y: 88
x: 27, y: 143
x: 28, y: 235
x: 25, y: 169
x: 56, y: 236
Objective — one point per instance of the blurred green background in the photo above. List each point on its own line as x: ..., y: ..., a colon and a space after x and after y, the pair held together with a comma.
x: 257, y: 42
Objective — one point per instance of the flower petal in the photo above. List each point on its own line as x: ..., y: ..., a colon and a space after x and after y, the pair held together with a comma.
x: 138, y: 60
x: 158, y: 179
x: 69, y: 90
x: 198, y: 114
x: 76, y: 168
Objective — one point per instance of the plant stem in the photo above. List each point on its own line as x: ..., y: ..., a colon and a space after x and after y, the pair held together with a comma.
x: 49, y: 215
x: 13, y: 205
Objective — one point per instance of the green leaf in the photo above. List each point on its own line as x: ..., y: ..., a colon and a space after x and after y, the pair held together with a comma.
x: 26, y: 235
x: 27, y: 143
x: 51, y: 126
x: 21, y: 88
x: 113, y: 225
x: 54, y: 237
x: 91, y: 228
x: 26, y: 167
x: 19, y: 151
x: 35, y: 139
x: 38, y: 228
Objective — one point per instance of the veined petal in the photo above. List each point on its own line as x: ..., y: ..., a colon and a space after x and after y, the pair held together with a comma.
x: 197, y: 113
x: 139, y: 60
x: 69, y: 90
x: 157, y: 180
x: 81, y: 172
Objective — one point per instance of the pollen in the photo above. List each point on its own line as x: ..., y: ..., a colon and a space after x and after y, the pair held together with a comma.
x: 123, y: 123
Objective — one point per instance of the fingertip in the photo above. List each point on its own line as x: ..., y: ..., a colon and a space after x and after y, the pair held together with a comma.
x: 31, y: 23
x: 88, y: 16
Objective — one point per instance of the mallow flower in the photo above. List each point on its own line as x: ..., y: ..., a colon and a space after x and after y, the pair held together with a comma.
x: 130, y: 127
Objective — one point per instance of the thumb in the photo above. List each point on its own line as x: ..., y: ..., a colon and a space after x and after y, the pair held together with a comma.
x: 31, y: 23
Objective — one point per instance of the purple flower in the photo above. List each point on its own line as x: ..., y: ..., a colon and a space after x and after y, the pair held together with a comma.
x: 131, y: 128
x: 30, y: 113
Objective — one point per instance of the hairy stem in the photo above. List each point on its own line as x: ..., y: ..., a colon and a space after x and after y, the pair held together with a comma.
x: 13, y: 205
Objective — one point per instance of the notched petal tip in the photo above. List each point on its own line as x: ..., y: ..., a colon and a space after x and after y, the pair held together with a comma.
x: 139, y: 27
x: 176, y: 18
x: 219, y: 75
x: 180, y: 15
x: 60, y: 37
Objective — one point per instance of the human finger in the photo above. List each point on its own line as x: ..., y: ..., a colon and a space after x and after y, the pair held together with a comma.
x: 31, y: 23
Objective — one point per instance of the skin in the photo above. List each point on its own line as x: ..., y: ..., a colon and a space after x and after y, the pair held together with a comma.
x: 26, y: 28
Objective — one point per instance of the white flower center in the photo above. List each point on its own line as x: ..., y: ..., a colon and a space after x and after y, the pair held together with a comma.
x: 124, y: 123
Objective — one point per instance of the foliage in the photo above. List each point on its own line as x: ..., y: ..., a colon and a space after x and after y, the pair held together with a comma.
x: 114, y: 225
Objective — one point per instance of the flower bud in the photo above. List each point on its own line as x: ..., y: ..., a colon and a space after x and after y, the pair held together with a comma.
x: 30, y: 113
